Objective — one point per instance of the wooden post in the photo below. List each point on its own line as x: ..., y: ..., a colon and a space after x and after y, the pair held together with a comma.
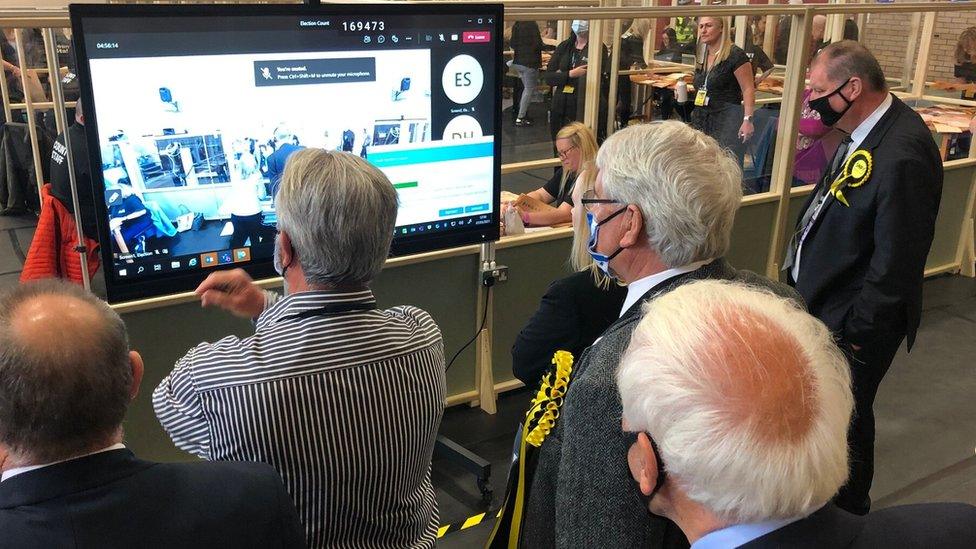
x: 906, y: 75
x: 484, y: 377
x: 594, y: 70
x: 922, y: 66
x: 5, y: 94
x: 614, y: 73
x: 782, y: 175
x: 54, y: 72
x: 769, y: 37
x: 31, y: 115
x: 741, y: 21
x: 651, y: 39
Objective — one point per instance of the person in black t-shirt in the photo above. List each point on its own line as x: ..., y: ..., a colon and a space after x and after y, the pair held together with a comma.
x: 576, y: 146
x: 566, y: 74
x: 61, y: 181
x: 725, y: 91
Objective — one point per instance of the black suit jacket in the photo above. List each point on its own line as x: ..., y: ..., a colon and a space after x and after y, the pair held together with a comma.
x: 942, y: 525
x: 112, y: 499
x: 572, y: 314
x: 861, y: 266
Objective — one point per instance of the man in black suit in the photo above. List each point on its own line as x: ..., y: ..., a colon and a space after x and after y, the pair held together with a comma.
x: 858, y: 254
x: 661, y: 216
x: 66, y: 380
x: 736, y: 405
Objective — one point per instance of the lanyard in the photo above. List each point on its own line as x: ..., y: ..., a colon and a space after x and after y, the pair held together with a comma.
x: 708, y: 70
x: 331, y: 309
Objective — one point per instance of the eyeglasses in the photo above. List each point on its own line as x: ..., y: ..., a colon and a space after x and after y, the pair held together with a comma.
x: 564, y: 153
x: 589, y: 200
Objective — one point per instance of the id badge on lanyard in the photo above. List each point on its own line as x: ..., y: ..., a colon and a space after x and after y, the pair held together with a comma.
x: 701, y: 97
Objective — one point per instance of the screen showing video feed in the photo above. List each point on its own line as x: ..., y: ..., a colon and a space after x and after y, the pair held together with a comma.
x: 193, y: 111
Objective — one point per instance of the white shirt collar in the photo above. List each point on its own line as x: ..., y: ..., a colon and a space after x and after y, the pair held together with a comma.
x: 865, y: 127
x: 740, y: 534
x: 639, y: 287
x: 21, y: 470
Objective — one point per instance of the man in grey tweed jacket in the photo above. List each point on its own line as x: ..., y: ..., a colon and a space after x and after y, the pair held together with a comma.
x: 662, y: 213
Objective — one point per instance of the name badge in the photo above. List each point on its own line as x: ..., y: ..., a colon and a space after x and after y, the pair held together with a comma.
x: 569, y: 89
x: 701, y: 98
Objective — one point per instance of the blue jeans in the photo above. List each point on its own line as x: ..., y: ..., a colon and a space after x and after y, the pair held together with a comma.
x: 530, y: 81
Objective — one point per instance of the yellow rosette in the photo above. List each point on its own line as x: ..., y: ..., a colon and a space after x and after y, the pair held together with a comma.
x: 856, y: 172
x: 542, y: 415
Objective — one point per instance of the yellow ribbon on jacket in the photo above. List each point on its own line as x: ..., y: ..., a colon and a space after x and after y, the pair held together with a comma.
x: 545, y: 406
x: 856, y: 172
x: 539, y: 422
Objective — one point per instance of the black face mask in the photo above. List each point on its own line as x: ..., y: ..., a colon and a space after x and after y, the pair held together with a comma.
x: 662, y: 475
x: 829, y: 116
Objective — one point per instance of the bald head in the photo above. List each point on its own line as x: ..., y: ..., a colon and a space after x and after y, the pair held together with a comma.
x: 747, y: 397
x: 819, y: 27
x: 66, y: 375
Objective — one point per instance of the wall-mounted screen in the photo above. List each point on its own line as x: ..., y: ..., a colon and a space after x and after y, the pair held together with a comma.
x: 192, y: 112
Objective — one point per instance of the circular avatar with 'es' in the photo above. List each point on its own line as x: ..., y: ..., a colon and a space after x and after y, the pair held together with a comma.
x: 462, y: 79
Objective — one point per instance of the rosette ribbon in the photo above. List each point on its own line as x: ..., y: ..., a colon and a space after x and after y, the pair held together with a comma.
x: 856, y: 172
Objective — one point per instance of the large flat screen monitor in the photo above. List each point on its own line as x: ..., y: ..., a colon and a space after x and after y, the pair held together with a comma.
x: 192, y: 111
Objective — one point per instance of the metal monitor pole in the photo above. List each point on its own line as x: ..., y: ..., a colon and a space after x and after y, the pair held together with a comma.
x: 58, y: 94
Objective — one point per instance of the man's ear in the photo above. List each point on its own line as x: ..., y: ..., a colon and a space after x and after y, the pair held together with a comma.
x: 137, y: 369
x: 857, y: 88
x: 635, y: 227
x: 648, y: 465
x: 287, y: 251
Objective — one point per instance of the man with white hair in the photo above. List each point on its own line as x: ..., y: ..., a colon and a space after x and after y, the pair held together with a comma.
x: 660, y: 216
x: 344, y: 399
x: 738, y: 404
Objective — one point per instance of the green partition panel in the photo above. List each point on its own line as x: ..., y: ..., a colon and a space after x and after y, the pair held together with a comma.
x: 956, y: 194
x: 532, y: 267
x: 751, y: 236
x: 448, y: 290
x: 162, y: 336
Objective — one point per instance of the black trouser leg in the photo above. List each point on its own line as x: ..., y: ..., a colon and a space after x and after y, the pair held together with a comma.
x: 868, y: 367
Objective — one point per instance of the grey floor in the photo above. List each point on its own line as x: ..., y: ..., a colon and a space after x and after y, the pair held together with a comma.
x: 926, y: 421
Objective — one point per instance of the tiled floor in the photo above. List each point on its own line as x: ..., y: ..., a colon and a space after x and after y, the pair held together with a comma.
x: 926, y: 421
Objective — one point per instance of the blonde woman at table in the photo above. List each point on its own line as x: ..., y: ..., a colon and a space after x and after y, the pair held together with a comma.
x: 574, y: 310
x: 725, y: 95
x: 575, y: 145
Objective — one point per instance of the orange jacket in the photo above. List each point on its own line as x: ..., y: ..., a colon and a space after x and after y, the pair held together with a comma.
x: 52, y: 251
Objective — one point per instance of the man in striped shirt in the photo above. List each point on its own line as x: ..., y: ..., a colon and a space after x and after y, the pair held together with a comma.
x: 344, y: 399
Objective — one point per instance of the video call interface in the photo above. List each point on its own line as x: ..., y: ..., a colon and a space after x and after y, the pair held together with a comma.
x: 196, y: 118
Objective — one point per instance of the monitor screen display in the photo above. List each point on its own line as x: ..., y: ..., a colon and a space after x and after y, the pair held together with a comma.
x: 192, y: 112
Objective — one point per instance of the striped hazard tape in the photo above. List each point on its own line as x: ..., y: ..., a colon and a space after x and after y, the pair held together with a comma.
x: 467, y: 523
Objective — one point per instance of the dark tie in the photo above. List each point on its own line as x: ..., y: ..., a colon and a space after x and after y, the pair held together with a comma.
x: 820, y: 195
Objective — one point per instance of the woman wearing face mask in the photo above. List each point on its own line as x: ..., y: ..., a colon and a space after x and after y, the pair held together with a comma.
x: 575, y: 145
x: 566, y: 73
x: 575, y: 310
x: 725, y: 92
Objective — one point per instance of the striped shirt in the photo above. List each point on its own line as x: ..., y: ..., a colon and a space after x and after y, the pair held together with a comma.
x: 346, y: 406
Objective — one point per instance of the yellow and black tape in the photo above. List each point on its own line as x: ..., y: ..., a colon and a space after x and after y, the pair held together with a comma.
x: 469, y: 522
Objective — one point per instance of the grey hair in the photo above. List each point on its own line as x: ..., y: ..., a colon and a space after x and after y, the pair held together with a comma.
x: 686, y: 186
x: 848, y: 58
x: 339, y: 212
x: 747, y: 397
x: 58, y: 400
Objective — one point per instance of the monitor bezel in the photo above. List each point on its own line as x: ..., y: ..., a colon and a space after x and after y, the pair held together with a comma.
x: 124, y: 290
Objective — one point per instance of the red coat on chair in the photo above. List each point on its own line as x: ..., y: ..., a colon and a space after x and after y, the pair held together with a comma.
x: 52, y: 251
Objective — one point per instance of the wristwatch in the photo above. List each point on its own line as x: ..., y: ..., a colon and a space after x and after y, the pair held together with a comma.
x: 747, y: 118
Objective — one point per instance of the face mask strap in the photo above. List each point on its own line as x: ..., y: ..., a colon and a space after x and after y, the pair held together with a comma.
x: 837, y: 92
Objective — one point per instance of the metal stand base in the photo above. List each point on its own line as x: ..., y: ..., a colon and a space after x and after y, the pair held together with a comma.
x: 473, y: 463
